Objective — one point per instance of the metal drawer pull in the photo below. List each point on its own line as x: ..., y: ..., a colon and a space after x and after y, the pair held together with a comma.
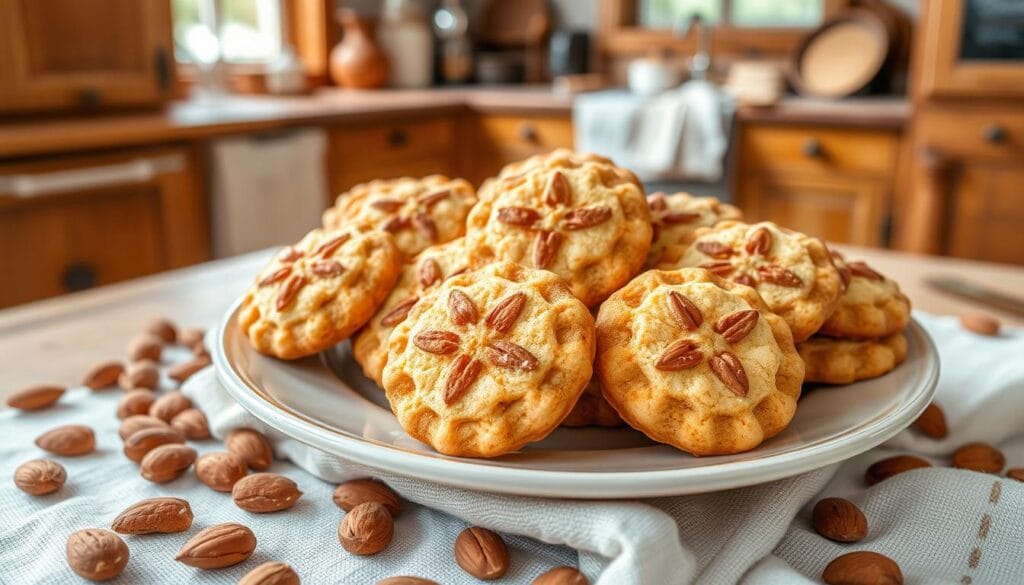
x: 134, y: 171
x: 995, y: 134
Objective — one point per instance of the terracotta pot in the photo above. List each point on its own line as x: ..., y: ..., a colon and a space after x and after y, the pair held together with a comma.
x: 357, y: 61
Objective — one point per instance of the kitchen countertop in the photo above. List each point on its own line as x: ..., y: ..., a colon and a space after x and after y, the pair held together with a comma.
x: 57, y: 340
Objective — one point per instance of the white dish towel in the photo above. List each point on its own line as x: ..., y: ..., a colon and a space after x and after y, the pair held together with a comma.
x: 941, y: 525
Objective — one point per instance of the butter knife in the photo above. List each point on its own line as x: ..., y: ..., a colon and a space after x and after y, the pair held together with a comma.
x: 977, y: 293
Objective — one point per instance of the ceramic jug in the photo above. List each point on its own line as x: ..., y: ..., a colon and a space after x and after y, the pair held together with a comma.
x: 357, y: 61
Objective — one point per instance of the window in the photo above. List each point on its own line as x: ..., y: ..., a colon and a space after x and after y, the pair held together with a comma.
x: 238, y: 31
x: 737, y: 13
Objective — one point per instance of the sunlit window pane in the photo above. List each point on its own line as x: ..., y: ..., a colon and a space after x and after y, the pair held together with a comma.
x: 672, y: 13
x: 249, y: 31
x: 776, y: 13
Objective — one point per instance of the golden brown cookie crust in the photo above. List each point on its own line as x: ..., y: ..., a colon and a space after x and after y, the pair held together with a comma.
x: 669, y: 371
x: 872, y: 305
x: 675, y: 218
x: 592, y: 410
x: 793, y: 272
x: 419, y: 213
x: 490, y: 361
x: 842, y: 361
x: 318, y: 292
x: 575, y: 215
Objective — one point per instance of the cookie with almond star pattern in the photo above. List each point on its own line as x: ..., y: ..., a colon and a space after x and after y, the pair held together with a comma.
x: 793, y: 272
x: 318, y: 292
x: 697, y: 362
x: 844, y: 361
x: 418, y: 212
x: 578, y: 216
x: 424, y: 273
x: 872, y: 305
x: 676, y: 217
x: 491, y: 360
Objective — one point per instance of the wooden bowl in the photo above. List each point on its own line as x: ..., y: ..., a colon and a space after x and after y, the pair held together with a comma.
x: 842, y: 57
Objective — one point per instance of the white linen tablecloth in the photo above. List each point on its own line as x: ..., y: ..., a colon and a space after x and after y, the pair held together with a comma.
x: 941, y: 525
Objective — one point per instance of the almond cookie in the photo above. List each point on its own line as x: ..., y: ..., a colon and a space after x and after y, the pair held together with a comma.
x: 318, y: 292
x: 418, y: 212
x: 490, y: 361
x: 793, y: 272
x: 578, y: 216
x: 872, y: 305
x: 424, y: 273
x: 697, y: 362
x: 842, y: 361
x: 675, y: 218
x: 592, y: 410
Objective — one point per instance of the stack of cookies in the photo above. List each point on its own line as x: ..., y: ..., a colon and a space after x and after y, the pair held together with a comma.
x: 559, y: 294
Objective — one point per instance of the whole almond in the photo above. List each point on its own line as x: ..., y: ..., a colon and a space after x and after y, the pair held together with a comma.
x: 352, y: 493
x: 220, y: 470
x: 271, y: 574
x: 561, y: 576
x: 863, y: 568
x: 366, y: 529
x: 184, y: 370
x: 265, y: 492
x: 96, y: 554
x: 167, y: 462
x: 103, y: 375
x: 170, y: 405
x: 406, y: 580
x: 140, y: 374
x: 252, y: 447
x: 218, y: 546
x: 36, y: 397
x: 1016, y: 473
x: 481, y: 553
x: 191, y: 336
x: 164, y: 329
x: 886, y: 468
x: 135, y: 402
x: 932, y: 422
x: 145, y: 347
x: 839, y: 520
x: 980, y: 323
x: 40, y: 477
x: 979, y: 457
x: 191, y: 423
x: 145, y: 440
x: 136, y: 422
x: 68, y: 440
x: 154, y: 516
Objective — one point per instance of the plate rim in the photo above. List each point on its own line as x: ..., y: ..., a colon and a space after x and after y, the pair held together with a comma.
x: 467, y: 473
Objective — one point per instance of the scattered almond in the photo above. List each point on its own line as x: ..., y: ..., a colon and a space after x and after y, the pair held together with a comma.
x: 184, y: 370
x: 979, y: 457
x: 561, y: 576
x: 68, y: 440
x: 164, y: 329
x: 252, y: 447
x: 406, y: 580
x: 886, y: 468
x: 103, y: 375
x: 220, y: 470
x: 191, y: 423
x: 218, y: 546
x: 40, y: 477
x: 352, y: 493
x: 191, y: 336
x: 36, y: 397
x: 863, y: 568
x: 145, y: 347
x: 367, y: 529
x: 839, y: 520
x: 135, y: 402
x: 265, y: 492
x: 1016, y: 473
x: 140, y: 374
x: 271, y: 574
x: 932, y: 422
x: 96, y: 554
x: 170, y: 405
x: 481, y: 553
x: 980, y: 323
x: 145, y: 440
x: 167, y: 462
x: 154, y: 516
x: 136, y: 422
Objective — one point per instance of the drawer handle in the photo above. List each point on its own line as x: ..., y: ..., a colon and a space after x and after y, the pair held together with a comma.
x: 812, y: 148
x: 528, y: 133
x: 995, y: 134
x: 398, y: 138
x: 139, y: 170
x: 79, y: 276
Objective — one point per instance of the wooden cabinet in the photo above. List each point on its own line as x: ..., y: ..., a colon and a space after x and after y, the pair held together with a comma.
x: 75, y: 54
x: 70, y: 223
x: 498, y: 139
x: 834, y: 183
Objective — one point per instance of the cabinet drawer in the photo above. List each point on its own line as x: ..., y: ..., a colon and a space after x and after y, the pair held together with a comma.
x: 522, y: 136
x: 990, y: 133
x: 814, y: 149
x: 393, y: 140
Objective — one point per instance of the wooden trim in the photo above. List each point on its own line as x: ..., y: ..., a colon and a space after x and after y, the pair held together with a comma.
x: 313, y: 32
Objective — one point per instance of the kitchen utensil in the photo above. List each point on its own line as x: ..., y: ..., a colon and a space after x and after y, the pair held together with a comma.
x: 976, y: 292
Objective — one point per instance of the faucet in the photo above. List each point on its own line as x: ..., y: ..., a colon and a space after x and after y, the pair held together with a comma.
x: 700, y: 63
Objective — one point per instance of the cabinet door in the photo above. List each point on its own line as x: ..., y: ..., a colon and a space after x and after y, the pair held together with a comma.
x: 72, y: 54
x: 501, y: 139
x: 986, y: 218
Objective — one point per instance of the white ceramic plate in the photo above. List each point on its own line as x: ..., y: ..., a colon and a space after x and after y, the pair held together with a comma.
x: 326, y: 402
